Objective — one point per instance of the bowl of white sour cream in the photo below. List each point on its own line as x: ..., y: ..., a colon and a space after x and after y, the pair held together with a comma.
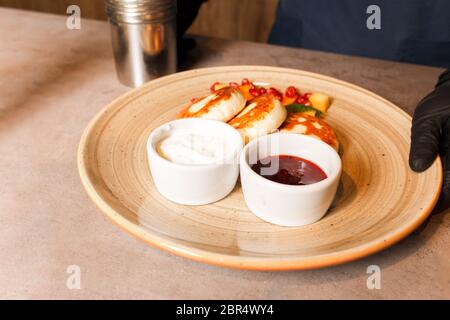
x: 194, y: 161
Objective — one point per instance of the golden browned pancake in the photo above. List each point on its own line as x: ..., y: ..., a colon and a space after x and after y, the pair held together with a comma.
x: 263, y: 115
x: 298, y: 122
x: 222, y: 105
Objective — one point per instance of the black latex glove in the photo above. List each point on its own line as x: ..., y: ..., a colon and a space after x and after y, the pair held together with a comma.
x: 187, y: 11
x: 430, y: 134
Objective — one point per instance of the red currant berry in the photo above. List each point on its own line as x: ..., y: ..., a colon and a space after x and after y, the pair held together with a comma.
x: 291, y: 92
x: 254, y: 92
x: 300, y: 100
x: 273, y: 91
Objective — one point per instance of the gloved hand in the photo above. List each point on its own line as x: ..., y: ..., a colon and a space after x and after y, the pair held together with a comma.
x: 430, y: 134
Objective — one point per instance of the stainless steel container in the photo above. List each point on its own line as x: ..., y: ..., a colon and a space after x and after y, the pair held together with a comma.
x: 143, y: 34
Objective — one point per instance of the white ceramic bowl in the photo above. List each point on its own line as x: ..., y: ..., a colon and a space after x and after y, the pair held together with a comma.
x: 289, y: 205
x: 200, y: 183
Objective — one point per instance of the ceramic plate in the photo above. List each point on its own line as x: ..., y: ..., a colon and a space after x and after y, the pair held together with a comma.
x: 380, y: 200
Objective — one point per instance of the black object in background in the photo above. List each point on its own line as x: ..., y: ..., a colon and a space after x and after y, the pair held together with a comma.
x: 187, y: 11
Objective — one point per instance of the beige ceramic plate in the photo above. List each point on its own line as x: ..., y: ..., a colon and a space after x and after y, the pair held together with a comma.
x: 380, y: 200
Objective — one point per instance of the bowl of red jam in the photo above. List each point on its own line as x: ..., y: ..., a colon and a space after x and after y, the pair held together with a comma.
x: 289, y: 179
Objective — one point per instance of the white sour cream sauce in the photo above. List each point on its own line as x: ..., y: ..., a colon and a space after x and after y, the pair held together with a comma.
x: 195, y: 148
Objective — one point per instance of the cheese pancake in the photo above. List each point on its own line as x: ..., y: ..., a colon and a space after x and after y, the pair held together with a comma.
x: 298, y: 122
x: 222, y: 105
x: 263, y: 115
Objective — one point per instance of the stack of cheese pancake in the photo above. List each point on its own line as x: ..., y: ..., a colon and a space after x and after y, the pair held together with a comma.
x: 256, y: 111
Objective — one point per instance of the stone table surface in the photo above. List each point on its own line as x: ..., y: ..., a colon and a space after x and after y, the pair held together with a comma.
x: 54, y: 80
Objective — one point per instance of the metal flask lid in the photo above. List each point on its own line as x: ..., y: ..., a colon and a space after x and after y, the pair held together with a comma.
x: 141, y: 11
